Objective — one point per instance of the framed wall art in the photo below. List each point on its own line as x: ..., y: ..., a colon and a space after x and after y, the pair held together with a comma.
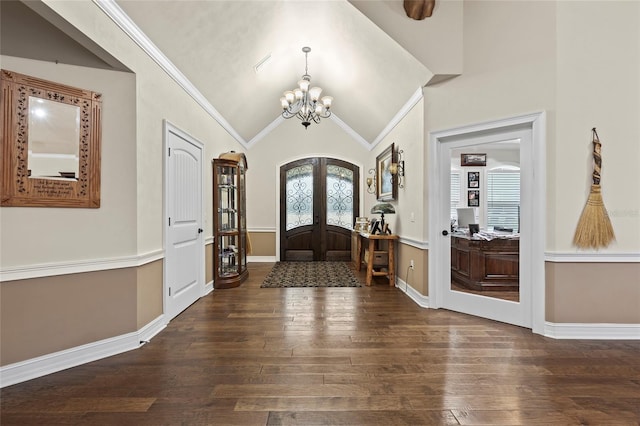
x: 386, y: 183
x: 473, y: 179
x: 473, y: 198
x: 473, y: 159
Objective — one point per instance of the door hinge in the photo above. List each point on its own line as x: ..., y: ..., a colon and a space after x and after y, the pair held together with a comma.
x: 169, y: 291
x: 169, y: 152
x: 169, y: 221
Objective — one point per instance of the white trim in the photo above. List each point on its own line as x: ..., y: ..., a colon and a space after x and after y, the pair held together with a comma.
x: 598, y: 331
x: 208, y: 288
x: 256, y: 230
x: 264, y: 132
x: 534, y: 126
x: 566, y: 257
x: 58, y: 361
x: 261, y: 259
x: 422, y: 245
x: 78, y: 266
x: 117, y: 15
x: 348, y: 130
x: 416, y: 296
x: 209, y: 240
x: 406, y: 108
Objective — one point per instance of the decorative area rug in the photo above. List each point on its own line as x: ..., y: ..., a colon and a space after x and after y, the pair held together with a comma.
x: 310, y: 274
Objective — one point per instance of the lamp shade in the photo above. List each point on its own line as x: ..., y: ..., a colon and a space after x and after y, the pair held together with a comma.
x: 383, y: 208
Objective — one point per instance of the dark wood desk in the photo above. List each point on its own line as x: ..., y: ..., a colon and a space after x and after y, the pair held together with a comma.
x: 372, y: 247
x: 485, y: 265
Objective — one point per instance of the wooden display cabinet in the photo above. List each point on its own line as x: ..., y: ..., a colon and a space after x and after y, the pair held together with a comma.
x: 229, y: 223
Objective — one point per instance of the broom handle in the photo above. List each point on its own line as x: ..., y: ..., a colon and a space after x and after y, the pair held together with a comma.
x: 597, y: 157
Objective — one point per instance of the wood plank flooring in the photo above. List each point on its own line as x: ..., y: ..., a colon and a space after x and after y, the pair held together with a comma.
x: 338, y: 356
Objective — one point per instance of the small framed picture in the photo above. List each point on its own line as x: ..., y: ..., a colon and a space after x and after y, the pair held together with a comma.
x: 375, y: 226
x: 386, y: 183
x: 473, y: 179
x: 473, y: 198
x: 473, y: 159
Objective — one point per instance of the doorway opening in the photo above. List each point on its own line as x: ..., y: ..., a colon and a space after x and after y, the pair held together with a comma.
x: 529, y: 131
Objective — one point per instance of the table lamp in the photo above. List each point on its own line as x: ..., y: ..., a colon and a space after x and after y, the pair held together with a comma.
x: 382, y: 208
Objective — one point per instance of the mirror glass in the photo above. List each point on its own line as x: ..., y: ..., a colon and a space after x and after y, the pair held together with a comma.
x: 54, y: 139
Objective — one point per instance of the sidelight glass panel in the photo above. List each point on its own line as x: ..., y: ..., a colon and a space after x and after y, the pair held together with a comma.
x: 299, y: 195
x: 339, y: 196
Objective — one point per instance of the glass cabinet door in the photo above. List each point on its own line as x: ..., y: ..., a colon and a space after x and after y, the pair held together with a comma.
x: 230, y: 260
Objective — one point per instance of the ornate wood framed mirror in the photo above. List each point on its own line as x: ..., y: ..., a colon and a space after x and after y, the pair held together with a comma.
x: 50, y: 143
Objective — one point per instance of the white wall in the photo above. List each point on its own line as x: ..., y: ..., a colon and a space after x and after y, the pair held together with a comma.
x: 289, y: 142
x: 34, y: 236
x: 409, y: 221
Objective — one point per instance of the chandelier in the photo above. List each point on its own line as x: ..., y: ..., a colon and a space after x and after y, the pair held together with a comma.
x: 304, y: 102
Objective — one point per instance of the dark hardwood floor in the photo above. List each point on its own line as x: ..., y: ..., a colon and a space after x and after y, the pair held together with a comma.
x: 338, y: 356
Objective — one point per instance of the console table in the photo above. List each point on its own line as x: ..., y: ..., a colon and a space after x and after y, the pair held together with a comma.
x: 373, y: 247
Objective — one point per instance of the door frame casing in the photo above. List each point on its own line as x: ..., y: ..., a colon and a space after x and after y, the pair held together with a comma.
x: 167, y: 128
x: 278, y: 166
x: 536, y: 123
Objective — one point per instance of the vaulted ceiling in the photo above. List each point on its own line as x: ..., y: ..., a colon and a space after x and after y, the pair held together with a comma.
x: 216, y: 45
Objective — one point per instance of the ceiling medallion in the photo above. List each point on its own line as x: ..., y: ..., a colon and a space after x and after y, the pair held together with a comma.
x: 304, y: 102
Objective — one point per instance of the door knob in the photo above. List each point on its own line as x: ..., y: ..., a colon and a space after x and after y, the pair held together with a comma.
x: 445, y: 232
x: 200, y: 230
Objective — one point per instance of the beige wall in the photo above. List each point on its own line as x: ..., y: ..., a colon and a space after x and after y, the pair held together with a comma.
x: 149, y: 293
x: 416, y: 277
x: 263, y: 243
x: 593, y: 293
x: 45, y: 315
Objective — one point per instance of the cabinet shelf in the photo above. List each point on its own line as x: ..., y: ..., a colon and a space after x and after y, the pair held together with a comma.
x: 230, y: 239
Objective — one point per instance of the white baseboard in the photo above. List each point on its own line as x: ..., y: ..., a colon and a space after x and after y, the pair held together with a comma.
x: 416, y: 296
x: 58, y: 361
x: 208, y: 288
x: 592, y: 331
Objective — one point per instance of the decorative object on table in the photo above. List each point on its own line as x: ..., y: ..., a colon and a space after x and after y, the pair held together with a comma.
x: 473, y: 198
x: 304, y: 101
x: 474, y: 228
x: 381, y: 209
x: 361, y: 225
x: 397, y: 169
x: 473, y: 159
x: 386, y: 184
x: 594, y: 228
x: 419, y: 9
x: 372, y: 182
x: 311, y: 274
x: 473, y: 179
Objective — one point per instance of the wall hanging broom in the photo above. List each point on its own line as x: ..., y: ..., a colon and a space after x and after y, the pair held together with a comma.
x: 594, y: 227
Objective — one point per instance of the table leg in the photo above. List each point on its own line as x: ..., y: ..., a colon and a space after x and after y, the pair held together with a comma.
x: 392, y: 263
x: 370, y: 261
x: 359, y: 251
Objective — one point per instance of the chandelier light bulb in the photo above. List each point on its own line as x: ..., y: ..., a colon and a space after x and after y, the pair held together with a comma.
x: 304, y: 101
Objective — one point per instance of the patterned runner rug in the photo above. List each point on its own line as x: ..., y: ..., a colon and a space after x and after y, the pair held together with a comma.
x: 311, y: 274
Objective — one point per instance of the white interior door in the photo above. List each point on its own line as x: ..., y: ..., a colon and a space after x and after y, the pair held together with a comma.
x: 483, y: 303
x: 184, y: 238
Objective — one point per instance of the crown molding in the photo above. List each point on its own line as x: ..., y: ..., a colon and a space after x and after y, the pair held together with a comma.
x: 122, y: 20
x: 117, y: 15
x: 400, y: 115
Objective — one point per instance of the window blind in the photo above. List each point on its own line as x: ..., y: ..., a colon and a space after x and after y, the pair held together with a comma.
x: 503, y: 199
x: 455, y: 194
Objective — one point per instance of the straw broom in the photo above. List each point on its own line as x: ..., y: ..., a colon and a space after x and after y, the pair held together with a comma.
x: 594, y: 227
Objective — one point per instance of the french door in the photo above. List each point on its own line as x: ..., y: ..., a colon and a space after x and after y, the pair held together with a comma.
x: 319, y: 199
